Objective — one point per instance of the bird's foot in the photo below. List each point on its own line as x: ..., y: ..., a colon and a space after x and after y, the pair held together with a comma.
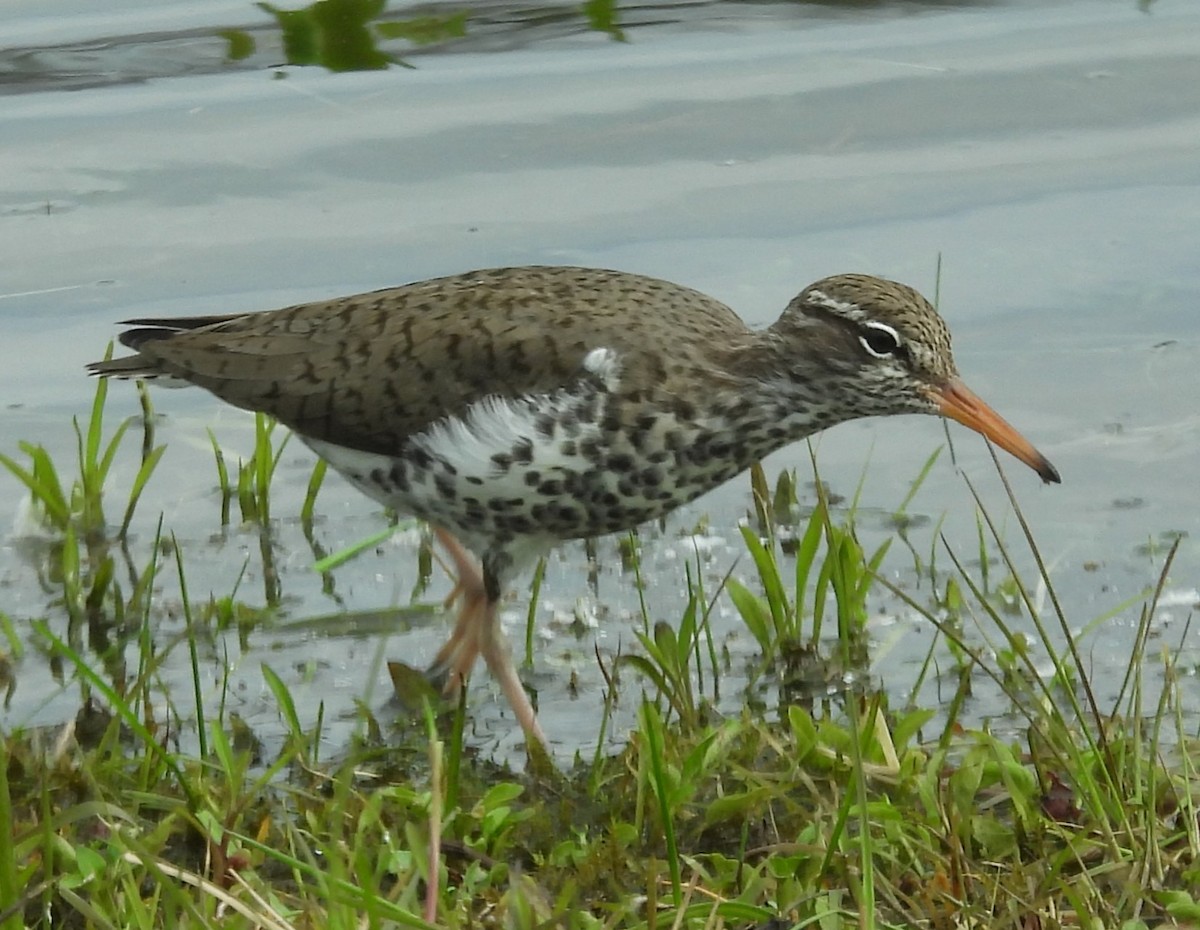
x: 477, y: 633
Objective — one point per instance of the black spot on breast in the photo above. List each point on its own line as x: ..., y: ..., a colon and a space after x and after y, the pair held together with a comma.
x: 550, y: 488
x: 544, y: 425
x: 532, y: 478
x: 683, y: 409
x: 502, y: 461
x: 698, y: 452
x: 522, y: 452
x: 445, y: 487
x: 586, y: 411
x: 420, y: 458
x: 621, y: 462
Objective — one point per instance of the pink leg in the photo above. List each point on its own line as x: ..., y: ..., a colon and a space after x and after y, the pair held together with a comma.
x: 457, y: 657
x: 477, y: 632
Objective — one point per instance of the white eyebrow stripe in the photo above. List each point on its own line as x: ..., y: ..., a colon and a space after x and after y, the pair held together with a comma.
x: 843, y: 308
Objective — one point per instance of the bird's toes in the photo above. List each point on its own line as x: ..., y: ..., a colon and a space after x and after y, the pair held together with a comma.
x: 444, y: 677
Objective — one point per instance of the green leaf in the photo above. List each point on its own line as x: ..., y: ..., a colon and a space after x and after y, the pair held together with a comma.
x: 1180, y: 905
x: 501, y: 795
x: 754, y: 613
x: 149, y: 463
x: 804, y: 731
x: 907, y: 726
x: 602, y: 16
x: 768, y: 573
x: 45, y: 490
x: 736, y: 806
x: 240, y: 44
x: 331, y: 33
x: 283, y: 697
x: 333, y: 560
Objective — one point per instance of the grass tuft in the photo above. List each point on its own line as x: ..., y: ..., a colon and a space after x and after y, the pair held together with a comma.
x: 813, y: 804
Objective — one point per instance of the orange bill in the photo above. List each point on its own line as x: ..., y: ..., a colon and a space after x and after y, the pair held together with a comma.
x: 958, y: 402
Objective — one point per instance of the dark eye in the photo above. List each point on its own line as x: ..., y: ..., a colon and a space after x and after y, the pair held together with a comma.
x: 880, y: 340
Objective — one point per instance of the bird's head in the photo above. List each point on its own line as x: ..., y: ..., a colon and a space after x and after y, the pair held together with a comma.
x: 888, y: 351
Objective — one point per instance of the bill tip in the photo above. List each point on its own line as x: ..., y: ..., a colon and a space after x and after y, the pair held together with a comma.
x: 1049, y: 473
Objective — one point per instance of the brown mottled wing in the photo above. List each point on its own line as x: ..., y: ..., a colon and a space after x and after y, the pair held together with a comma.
x: 370, y: 370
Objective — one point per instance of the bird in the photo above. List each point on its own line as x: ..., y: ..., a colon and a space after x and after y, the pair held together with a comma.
x: 514, y: 409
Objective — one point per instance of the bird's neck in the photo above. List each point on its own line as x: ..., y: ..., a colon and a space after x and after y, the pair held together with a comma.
x: 767, y: 415
x: 776, y: 391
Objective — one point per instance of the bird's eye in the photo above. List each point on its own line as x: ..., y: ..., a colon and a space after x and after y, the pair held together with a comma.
x: 880, y: 340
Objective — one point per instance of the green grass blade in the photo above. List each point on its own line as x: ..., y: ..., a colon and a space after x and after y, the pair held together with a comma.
x: 10, y: 886
x: 43, y: 487
x: 122, y: 709
x: 90, y: 452
x: 283, y: 697
x: 768, y: 573
x: 535, y: 592
x: 755, y: 615
x: 315, y: 480
x: 660, y: 783
x: 222, y: 477
x: 806, y: 554
x: 190, y: 626
x: 100, y: 472
x: 149, y: 463
x: 916, y: 483
x: 334, y: 559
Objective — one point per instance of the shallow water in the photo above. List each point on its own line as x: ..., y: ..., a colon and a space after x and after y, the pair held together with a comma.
x: 1048, y: 153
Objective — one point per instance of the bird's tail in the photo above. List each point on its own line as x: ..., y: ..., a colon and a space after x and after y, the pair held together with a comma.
x: 144, y: 367
x: 134, y: 367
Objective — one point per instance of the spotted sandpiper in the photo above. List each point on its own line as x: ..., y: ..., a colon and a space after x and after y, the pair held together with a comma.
x: 515, y: 408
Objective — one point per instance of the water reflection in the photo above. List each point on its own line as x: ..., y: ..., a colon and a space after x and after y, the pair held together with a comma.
x: 357, y: 35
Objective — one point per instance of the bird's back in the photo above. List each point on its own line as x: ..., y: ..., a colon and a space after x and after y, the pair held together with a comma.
x: 369, y: 370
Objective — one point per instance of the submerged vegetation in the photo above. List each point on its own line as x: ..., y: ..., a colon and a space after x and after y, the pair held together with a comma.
x: 363, y: 35
x: 822, y: 807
